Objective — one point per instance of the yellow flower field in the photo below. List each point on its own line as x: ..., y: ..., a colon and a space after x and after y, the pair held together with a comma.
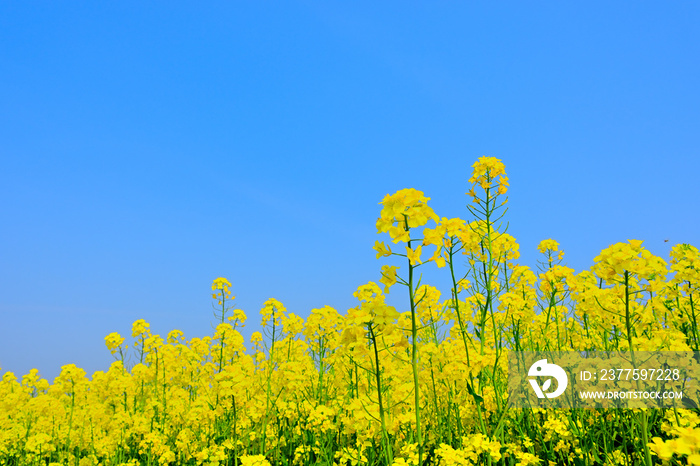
x: 376, y: 385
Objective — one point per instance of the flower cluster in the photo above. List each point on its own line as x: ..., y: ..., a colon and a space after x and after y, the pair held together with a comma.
x: 487, y: 171
x: 402, y: 211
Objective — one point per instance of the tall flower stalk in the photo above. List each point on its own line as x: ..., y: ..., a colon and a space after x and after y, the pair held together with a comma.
x: 402, y: 211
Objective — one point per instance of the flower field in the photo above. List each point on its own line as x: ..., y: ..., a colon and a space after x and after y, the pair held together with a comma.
x: 424, y: 384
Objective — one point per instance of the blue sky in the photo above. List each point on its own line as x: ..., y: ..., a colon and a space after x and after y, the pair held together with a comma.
x: 148, y: 148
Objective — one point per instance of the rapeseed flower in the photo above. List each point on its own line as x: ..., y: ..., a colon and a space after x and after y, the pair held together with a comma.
x: 403, y: 210
x: 548, y: 245
x: 113, y: 342
x: 388, y: 276
x: 487, y: 170
x: 140, y: 327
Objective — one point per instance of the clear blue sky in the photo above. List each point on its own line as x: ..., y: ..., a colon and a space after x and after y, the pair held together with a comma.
x: 148, y: 148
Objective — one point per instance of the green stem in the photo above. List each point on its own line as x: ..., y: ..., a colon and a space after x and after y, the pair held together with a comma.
x: 414, y: 359
x: 377, y: 369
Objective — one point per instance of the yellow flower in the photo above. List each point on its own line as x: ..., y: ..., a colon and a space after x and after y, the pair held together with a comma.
x: 414, y: 255
x: 439, y: 261
x: 220, y: 284
x: 238, y: 318
x: 388, y: 276
x: 434, y: 236
x: 381, y: 313
x: 628, y: 257
x: 635, y: 243
x: 663, y: 450
x: 405, y: 209
x: 254, y: 460
x: 487, y: 166
x: 367, y: 292
x: 256, y: 338
x: 685, y: 262
x: 174, y: 336
x: 140, y: 327
x: 382, y: 249
x: 548, y: 245
x: 273, y: 309
x: 113, y: 341
x: 486, y: 170
x: 221, y: 288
